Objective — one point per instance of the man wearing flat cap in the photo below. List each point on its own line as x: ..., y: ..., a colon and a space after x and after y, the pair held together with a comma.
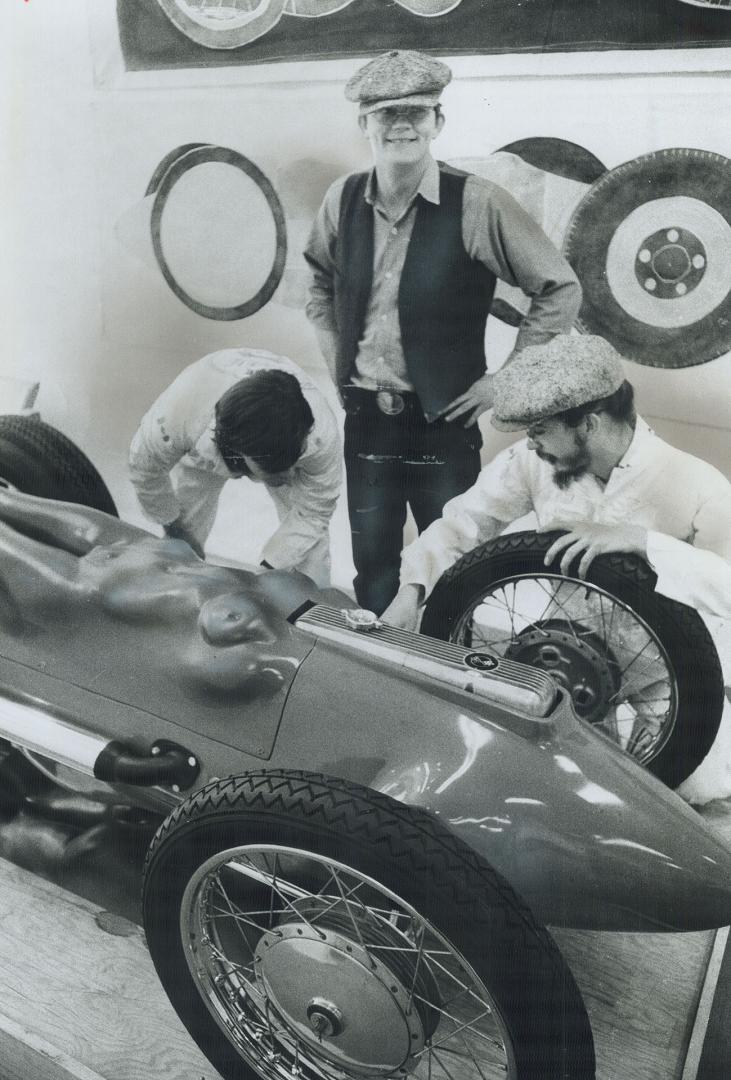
x: 592, y: 467
x: 404, y: 263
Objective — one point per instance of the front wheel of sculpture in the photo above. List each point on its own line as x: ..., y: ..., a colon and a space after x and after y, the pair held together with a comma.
x: 639, y: 667
x: 309, y: 927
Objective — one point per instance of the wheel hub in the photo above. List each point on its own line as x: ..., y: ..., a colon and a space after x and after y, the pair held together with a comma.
x: 670, y: 263
x: 576, y: 658
x: 347, y: 1005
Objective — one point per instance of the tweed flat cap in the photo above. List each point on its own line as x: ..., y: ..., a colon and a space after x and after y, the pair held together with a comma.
x: 544, y: 380
x: 399, y: 77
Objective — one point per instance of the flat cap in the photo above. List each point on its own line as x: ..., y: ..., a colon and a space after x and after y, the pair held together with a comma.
x: 544, y: 380
x: 399, y: 77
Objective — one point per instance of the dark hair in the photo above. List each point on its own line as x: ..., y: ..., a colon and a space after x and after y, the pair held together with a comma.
x: 620, y: 406
x: 265, y: 417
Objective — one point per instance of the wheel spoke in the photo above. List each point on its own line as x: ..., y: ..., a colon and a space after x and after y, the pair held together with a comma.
x: 596, y: 646
x: 237, y: 923
x: 440, y: 999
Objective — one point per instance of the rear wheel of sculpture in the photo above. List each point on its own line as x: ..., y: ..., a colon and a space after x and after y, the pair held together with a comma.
x: 308, y: 927
x: 39, y: 460
x: 639, y: 667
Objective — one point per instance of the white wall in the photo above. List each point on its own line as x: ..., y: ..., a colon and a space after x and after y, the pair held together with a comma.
x: 104, y: 333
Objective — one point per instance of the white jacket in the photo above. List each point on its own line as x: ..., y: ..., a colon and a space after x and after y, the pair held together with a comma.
x: 683, y: 502
x: 179, y: 429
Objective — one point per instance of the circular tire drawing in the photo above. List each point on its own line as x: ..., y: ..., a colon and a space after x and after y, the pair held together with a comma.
x: 169, y: 160
x: 206, y: 217
x: 650, y: 244
x: 39, y: 460
x: 558, y: 156
x: 639, y: 667
x: 223, y: 24
x: 307, y: 926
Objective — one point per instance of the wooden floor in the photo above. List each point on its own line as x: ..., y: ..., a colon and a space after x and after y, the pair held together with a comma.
x: 80, y: 999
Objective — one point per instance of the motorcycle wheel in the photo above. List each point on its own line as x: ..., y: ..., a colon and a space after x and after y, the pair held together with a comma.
x: 641, y: 668
x: 37, y: 459
x: 307, y: 926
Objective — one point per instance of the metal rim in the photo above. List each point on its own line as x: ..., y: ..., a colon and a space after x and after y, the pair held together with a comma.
x: 597, y: 648
x: 316, y: 971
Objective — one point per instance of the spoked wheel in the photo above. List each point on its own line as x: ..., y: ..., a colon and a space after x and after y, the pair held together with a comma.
x: 306, y: 928
x: 639, y: 667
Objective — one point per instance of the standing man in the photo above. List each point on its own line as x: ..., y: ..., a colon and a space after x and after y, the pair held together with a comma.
x: 242, y: 413
x: 404, y: 264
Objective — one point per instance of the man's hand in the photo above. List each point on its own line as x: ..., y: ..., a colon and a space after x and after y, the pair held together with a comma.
x: 592, y: 539
x: 177, y: 531
x: 473, y: 403
x: 403, y: 611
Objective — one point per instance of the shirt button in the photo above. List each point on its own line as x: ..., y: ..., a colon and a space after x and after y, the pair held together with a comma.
x: 389, y: 275
x: 394, y: 231
x: 381, y: 360
x: 383, y: 318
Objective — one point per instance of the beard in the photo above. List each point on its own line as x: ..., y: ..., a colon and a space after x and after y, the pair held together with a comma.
x: 570, y: 467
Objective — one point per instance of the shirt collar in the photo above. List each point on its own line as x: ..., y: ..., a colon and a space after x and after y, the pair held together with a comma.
x: 428, y: 188
x: 643, y: 440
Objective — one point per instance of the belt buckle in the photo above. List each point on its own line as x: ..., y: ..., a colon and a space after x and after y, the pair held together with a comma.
x: 390, y: 403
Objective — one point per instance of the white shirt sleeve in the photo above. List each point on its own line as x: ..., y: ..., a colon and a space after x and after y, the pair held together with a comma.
x: 169, y: 429
x: 313, y: 491
x: 698, y: 574
x: 500, y: 495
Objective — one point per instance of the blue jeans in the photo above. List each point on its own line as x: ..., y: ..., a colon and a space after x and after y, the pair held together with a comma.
x: 395, y: 462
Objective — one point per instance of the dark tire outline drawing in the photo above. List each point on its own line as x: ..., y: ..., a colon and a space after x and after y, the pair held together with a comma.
x: 699, y: 182
x: 200, y: 155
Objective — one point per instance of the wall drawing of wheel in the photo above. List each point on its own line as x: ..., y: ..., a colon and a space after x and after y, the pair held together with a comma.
x: 223, y: 24
x: 650, y: 243
x: 218, y: 230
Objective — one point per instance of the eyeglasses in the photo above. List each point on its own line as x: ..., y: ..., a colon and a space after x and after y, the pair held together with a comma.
x: 412, y: 114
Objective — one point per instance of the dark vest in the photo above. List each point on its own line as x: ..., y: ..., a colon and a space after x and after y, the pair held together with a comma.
x: 444, y: 295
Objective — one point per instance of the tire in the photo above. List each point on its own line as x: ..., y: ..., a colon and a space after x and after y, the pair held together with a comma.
x: 39, y: 460
x: 589, y: 634
x: 241, y: 991
x: 649, y: 243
